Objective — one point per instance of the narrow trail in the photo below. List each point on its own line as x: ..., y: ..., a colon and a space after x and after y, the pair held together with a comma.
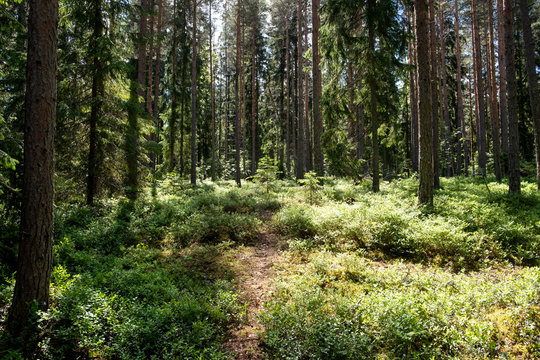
x: 255, y: 272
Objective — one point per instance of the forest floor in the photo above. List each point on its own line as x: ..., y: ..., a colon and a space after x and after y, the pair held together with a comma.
x: 254, y: 269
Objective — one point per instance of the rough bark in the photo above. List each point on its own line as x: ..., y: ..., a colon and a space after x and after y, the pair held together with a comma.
x: 449, y: 154
x: 479, y: 92
x: 532, y: 80
x: 212, y: 102
x: 300, y: 121
x: 174, y: 97
x: 413, y: 98
x: 317, y: 91
x: 237, y: 96
x: 194, y: 98
x: 288, y: 115
x: 513, y: 140
x: 372, y: 83
x: 37, y: 213
x: 425, y: 188
x: 434, y: 95
x: 253, y: 109
x: 462, y: 135
x: 503, y: 108
x: 157, y: 77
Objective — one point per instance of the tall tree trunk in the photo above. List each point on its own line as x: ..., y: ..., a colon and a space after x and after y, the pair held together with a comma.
x: 449, y: 154
x: 532, y: 80
x: 300, y: 136
x: 157, y: 78
x: 237, y: 95
x: 413, y: 98
x: 174, y: 94
x: 317, y: 90
x: 479, y: 92
x: 194, y: 98
x: 212, y: 104
x: 513, y: 140
x: 141, y: 69
x: 434, y: 95
x: 503, y: 108
x: 372, y: 83
x: 37, y: 214
x: 308, y: 157
x: 253, y: 109
x: 462, y: 135
x: 288, y: 115
x: 150, y: 79
x: 425, y: 188
x: 493, y: 103
x: 98, y: 93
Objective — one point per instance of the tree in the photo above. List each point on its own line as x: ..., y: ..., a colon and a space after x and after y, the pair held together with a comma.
x: 317, y: 90
x: 237, y: 94
x: 479, y: 92
x: 503, y: 102
x: 212, y: 102
x: 425, y: 188
x: 449, y: 155
x: 514, y: 186
x: 532, y: 79
x: 37, y: 216
x: 300, y: 88
x: 194, y: 98
x: 460, y: 117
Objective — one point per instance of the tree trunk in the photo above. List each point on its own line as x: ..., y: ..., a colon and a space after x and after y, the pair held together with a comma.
x: 462, y: 135
x: 37, y: 213
x: 157, y: 78
x: 503, y: 108
x: 253, y: 110
x: 150, y: 80
x: 307, y: 136
x: 371, y: 4
x: 98, y: 93
x: 434, y: 95
x: 493, y: 103
x: 513, y: 144
x: 300, y: 136
x: 449, y: 154
x: 317, y: 90
x: 532, y: 80
x: 237, y: 96
x: 413, y: 99
x: 212, y: 103
x: 479, y: 92
x: 425, y: 188
x: 174, y: 95
x: 288, y: 115
x: 194, y: 98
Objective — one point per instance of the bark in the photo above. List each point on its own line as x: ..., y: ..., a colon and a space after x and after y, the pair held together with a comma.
x: 373, y: 99
x: 288, y: 115
x: 462, y: 135
x: 449, y: 154
x: 300, y: 136
x: 425, y: 188
x: 174, y: 98
x: 150, y: 79
x: 413, y: 98
x: 194, y: 98
x: 493, y: 103
x: 308, y: 160
x: 503, y: 108
x: 237, y: 96
x: 434, y: 95
x: 98, y: 94
x: 212, y: 103
x: 317, y: 91
x: 479, y: 93
x: 157, y: 77
x: 37, y: 213
x: 513, y: 144
x: 532, y: 80
x: 253, y: 109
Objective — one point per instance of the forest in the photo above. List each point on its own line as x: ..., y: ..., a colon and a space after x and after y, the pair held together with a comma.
x: 269, y: 179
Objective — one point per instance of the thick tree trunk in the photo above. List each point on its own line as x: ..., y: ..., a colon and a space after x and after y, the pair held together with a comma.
x: 462, y: 135
x: 300, y: 86
x: 532, y: 80
x: 513, y: 144
x: 194, y: 98
x: 503, y: 108
x: 37, y: 214
x: 212, y: 102
x: 493, y: 103
x: 425, y: 188
x: 479, y: 93
x: 237, y: 95
x: 434, y: 95
x: 98, y: 93
x: 449, y: 154
x: 413, y: 99
x: 317, y: 91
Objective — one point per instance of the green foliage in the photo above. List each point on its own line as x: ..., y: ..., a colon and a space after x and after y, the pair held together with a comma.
x: 267, y: 173
x: 312, y: 186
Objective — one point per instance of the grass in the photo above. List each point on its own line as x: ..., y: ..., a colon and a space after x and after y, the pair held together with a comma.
x: 368, y: 275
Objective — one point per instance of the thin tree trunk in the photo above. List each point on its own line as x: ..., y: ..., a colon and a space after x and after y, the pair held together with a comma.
x: 413, y: 95
x: 532, y: 80
x: 212, y: 103
x: 449, y: 155
x: 300, y: 136
x: 194, y: 98
x: 479, y: 92
x: 371, y: 4
x: 288, y: 115
x: 493, y: 103
x: 98, y: 93
x: 462, y: 135
x: 308, y: 160
x: 434, y: 95
x: 157, y: 78
x: 150, y: 79
x: 317, y: 90
x: 503, y: 108
x: 174, y: 98
x: 35, y: 257
x: 237, y: 95
x: 253, y: 110
x: 425, y: 188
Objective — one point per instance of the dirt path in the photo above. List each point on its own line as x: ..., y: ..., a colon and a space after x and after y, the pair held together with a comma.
x: 254, y: 272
